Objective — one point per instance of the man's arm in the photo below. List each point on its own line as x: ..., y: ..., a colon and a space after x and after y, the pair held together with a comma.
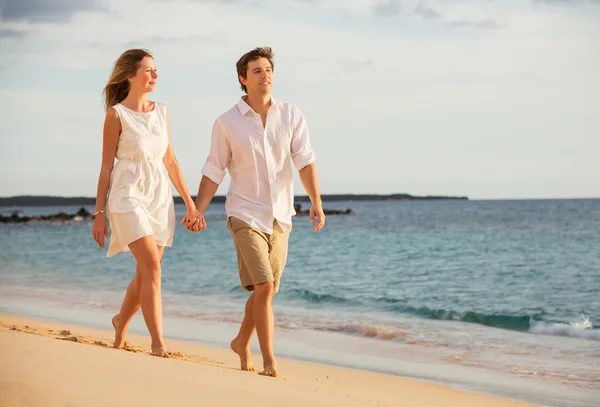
x: 310, y: 181
x: 213, y: 171
x: 206, y: 193
x: 303, y: 157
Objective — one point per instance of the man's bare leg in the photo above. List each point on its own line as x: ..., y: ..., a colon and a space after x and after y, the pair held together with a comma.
x: 241, y: 343
x: 265, y: 326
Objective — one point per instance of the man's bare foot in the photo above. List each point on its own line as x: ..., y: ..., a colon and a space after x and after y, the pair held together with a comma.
x: 244, y: 354
x: 119, y: 337
x: 160, y: 352
x: 270, y: 369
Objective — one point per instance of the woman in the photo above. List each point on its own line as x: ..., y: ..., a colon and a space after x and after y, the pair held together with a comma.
x: 136, y: 190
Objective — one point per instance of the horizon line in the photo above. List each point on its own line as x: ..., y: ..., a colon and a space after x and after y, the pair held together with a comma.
x: 349, y: 195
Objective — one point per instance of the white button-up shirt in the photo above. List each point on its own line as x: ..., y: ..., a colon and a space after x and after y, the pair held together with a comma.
x: 259, y: 160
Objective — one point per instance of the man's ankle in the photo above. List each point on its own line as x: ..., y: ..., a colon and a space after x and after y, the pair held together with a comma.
x: 269, y: 359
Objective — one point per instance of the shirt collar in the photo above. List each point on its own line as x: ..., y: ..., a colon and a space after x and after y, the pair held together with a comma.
x: 244, y: 107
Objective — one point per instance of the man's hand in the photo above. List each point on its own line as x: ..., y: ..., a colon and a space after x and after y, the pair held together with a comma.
x: 317, y: 212
x: 308, y: 176
x: 193, y: 220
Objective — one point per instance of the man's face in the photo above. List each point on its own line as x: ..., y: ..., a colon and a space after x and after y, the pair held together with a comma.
x: 259, y: 77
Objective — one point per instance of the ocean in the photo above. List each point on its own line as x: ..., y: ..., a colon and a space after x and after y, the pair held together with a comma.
x: 500, y: 297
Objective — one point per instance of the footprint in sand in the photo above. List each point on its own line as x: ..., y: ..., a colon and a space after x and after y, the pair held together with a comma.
x: 66, y: 335
x: 25, y: 329
x: 130, y: 348
x: 74, y: 339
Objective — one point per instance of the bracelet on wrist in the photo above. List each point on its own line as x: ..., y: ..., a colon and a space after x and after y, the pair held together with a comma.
x: 96, y: 213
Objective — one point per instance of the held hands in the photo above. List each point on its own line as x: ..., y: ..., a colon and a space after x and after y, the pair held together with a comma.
x: 99, y: 229
x: 316, y: 211
x: 193, y: 220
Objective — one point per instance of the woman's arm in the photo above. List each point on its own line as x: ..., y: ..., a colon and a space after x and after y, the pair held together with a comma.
x: 172, y: 166
x: 112, y: 129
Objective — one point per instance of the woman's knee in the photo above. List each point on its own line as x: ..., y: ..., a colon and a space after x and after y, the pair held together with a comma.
x: 149, y: 269
x: 148, y: 258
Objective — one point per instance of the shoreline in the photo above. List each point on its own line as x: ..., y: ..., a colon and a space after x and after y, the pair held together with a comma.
x: 332, y: 350
x: 301, y: 383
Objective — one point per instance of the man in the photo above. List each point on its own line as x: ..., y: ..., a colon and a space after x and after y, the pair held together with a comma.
x: 257, y: 141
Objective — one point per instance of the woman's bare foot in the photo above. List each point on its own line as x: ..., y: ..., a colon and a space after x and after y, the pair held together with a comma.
x: 244, y: 354
x: 119, y: 335
x: 160, y: 352
x: 270, y: 369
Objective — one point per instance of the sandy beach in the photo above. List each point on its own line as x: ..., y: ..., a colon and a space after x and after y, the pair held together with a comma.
x: 49, y: 364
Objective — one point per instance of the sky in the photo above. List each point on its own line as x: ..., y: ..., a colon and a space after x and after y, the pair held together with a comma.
x: 487, y: 99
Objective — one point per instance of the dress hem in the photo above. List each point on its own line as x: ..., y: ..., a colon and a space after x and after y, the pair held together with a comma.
x: 125, y: 248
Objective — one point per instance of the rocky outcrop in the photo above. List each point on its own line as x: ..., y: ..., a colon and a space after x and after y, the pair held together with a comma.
x: 300, y: 212
x: 82, y: 214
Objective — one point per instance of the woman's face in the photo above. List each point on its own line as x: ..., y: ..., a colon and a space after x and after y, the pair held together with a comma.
x: 146, y: 76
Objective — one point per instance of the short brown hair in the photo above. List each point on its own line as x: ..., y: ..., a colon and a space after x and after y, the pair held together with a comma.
x: 256, y: 53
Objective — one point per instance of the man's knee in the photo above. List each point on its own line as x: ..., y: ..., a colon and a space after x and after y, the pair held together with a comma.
x: 264, y: 291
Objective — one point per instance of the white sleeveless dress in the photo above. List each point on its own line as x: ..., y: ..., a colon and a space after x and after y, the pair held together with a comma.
x: 140, y: 201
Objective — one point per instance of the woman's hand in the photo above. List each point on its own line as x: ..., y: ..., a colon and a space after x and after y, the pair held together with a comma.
x: 193, y: 220
x: 99, y: 229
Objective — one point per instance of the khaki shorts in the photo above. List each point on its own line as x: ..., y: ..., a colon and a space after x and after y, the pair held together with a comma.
x: 261, y: 256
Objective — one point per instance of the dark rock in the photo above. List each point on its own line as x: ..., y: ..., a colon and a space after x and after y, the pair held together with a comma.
x: 84, y: 213
x: 58, y: 217
x: 300, y: 212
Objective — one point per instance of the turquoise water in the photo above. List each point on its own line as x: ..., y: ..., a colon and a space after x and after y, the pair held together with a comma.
x: 505, y: 286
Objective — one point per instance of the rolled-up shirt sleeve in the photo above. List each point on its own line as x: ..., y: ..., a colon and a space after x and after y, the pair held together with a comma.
x: 219, y: 156
x: 302, y: 152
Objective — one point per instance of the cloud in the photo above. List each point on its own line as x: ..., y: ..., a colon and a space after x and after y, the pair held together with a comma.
x: 488, y: 23
x: 45, y: 10
x: 352, y: 64
x: 389, y: 8
x: 393, y: 8
x: 569, y: 2
x: 10, y: 33
x: 216, y: 37
x: 426, y: 12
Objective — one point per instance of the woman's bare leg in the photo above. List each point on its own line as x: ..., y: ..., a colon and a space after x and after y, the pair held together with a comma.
x: 148, y: 259
x: 129, y: 307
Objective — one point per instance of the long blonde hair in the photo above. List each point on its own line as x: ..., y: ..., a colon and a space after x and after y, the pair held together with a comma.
x: 125, y: 67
